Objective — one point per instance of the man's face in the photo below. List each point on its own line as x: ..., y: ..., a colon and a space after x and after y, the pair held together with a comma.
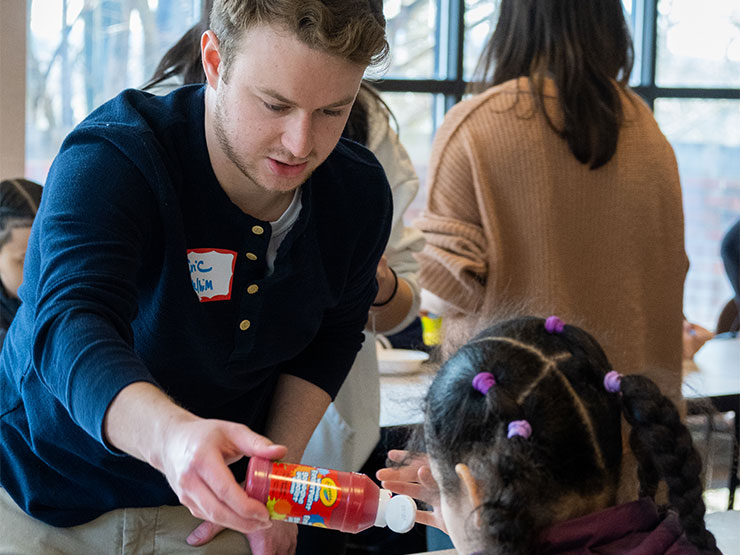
x: 282, y: 109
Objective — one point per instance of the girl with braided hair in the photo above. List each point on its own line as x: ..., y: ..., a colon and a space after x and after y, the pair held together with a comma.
x: 19, y: 201
x: 523, y: 451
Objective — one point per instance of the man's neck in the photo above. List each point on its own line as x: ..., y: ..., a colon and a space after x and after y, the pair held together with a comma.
x: 263, y: 205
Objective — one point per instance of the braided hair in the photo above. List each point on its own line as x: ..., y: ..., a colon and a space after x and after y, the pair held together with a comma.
x: 553, y: 379
x: 19, y: 202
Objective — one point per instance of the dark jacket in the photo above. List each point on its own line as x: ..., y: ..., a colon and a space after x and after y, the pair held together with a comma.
x: 115, y: 282
x: 630, y: 529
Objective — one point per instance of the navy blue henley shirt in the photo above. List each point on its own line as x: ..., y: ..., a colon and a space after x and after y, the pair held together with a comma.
x: 131, y: 223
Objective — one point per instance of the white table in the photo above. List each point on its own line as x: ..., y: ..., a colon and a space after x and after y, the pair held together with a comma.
x: 717, y: 372
x: 726, y: 529
x: 716, y: 377
x: 401, y: 396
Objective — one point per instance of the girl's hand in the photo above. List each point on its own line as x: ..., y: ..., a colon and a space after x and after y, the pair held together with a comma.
x: 414, y: 479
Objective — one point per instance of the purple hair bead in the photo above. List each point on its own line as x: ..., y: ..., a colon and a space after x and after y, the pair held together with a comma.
x: 553, y: 324
x: 519, y: 428
x: 484, y: 381
x: 613, y: 381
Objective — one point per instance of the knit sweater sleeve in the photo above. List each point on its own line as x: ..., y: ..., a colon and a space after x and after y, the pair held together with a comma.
x: 453, y: 262
x: 94, y: 223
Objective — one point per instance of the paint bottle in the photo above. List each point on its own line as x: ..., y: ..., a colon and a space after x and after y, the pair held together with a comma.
x: 345, y: 501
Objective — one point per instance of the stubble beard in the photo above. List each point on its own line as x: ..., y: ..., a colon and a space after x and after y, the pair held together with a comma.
x: 230, y: 153
x: 227, y: 148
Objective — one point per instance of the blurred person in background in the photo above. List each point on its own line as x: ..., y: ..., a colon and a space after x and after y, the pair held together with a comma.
x: 552, y: 190
x: 19, y: 202
x: 730, y: 252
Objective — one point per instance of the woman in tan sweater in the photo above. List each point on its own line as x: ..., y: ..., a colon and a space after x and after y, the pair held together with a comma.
x: 553, y: 191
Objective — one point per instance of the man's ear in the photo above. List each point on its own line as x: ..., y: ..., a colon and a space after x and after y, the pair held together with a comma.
x: 470, y: 488
x: 210, y: 57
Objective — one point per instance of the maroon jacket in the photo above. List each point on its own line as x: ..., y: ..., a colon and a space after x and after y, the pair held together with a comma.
x: 633, y: 528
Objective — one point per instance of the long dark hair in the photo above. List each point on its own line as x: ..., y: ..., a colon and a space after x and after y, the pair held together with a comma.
x: 585, y: 47
x: 184, y: 61
x: 554, y: 381
x: 19, y: 202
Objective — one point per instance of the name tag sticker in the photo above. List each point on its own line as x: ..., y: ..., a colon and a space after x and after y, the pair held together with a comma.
x: 212, y: 273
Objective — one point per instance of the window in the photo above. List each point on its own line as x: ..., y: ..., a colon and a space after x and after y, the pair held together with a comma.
x: 687, y: 53
x: 82, y: 53
x: 687, y: 67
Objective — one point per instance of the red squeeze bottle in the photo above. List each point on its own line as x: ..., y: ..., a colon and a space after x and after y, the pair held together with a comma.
x: 345, y: 501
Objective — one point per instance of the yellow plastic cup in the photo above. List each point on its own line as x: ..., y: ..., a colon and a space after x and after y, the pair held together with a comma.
x: 431, y: 329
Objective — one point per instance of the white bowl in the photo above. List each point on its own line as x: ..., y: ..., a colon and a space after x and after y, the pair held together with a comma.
x: 400, y: 361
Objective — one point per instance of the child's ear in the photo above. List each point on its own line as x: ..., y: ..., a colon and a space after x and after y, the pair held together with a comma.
x: 470, y: 488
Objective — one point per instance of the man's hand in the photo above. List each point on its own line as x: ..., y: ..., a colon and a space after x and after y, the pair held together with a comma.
x: 414, y: 479
x: 195, y: 456
x: 296, y: 408
x: 192, y: 453
x: 278, y: 539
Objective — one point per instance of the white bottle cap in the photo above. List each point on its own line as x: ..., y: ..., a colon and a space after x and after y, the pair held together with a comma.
x: 384, y: 495
x: 397, y: 512
x: 400, y: 513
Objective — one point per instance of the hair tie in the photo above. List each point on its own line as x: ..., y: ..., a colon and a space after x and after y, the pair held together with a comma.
x: 519, y: 428
x: 553, y: 324
x: 484, y: 381
x: 612, y: 381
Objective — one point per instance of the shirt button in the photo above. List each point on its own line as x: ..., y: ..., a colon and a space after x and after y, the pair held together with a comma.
x: 251, y: 256
x: 252, y: 289
x: 244, y: 325
x: 258, y: 230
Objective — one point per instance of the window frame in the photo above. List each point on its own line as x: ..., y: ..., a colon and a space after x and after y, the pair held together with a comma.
x: 450, y: 62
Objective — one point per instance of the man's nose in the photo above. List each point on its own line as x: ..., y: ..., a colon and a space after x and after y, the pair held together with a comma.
x: 298, y: 136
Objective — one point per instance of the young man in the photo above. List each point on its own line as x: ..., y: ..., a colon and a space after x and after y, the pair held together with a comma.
x: 200, y: 270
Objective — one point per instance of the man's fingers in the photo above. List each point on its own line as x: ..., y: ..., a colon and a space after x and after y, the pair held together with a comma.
x: 280, y: 539
x: 254, y: 444
x: 204, y: 533
x: 220, y: 481
x: 203, y: 503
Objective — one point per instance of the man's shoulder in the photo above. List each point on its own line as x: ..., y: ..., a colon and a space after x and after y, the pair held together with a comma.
x: 138, y: 111
x: 147, y: 129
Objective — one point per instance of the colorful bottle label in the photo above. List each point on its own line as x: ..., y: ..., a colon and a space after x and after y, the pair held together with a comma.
x: 303, y: 494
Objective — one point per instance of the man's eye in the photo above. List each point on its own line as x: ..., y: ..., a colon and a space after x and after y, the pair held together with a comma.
x: 333, y: 113
x: 275, y: 107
